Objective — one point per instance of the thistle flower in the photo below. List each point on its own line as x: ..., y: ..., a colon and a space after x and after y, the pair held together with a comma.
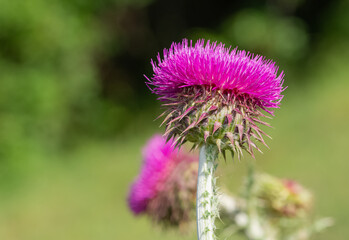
x: 166, y: 186
x: 282, y: 197
x: 215, y: 95
x: 272, y: 208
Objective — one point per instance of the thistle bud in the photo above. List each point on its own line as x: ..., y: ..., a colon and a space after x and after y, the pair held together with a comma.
x: 282, y: 197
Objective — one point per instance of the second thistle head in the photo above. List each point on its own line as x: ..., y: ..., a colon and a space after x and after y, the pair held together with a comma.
x: 282, y: 197
x: 215, y: 95
x: 165, y: 188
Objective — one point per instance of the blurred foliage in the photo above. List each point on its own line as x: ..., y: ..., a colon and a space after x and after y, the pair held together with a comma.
x: 284, y: 37
x: 71, y: 73
x: 49, y: 90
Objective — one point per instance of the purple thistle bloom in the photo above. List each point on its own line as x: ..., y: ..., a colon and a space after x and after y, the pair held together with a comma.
x: 214, y: 94
x: 157, y: 154
x: 166, y: 186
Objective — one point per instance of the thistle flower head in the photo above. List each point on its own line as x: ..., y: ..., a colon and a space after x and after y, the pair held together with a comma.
x: 166, y: 186
x: 282, y: 197
x: 214, y: 94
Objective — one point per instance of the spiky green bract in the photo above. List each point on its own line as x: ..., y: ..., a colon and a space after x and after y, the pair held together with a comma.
x: 222, y: 118
x: 207, y: 196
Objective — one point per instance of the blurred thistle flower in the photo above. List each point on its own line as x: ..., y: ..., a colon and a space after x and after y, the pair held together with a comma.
x: 272, y: 209
x: 282, y: 197
x: 215, y: 95
x: 166, y: 186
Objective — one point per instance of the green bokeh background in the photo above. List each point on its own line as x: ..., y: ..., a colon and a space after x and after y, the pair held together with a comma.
x: 75, y: 112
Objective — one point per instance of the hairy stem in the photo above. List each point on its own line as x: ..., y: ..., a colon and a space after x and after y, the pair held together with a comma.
x: 206, y: 196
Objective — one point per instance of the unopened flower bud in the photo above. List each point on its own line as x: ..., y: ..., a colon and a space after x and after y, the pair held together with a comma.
x: 283, y: 197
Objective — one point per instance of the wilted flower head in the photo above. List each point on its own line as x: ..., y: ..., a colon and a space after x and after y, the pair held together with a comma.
x: 215, y: 94
x: 282, y: 197
x: 166, y: 186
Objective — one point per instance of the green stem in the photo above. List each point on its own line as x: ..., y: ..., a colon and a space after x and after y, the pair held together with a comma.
x: 206, y: 196
x: 254, y: 230
x: 250, y: 182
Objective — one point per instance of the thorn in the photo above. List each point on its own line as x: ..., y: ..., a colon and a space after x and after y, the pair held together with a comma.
x: 193, y: 147
x: 259, y: 131
x: 260, y: 139
x: 240, y: 130
x: 182, y: 141
x: 178, y: 142
x: 175, y: 142
x: 250, y: 120
x: 168, y: 137
x: 238, y: 111
x: 249, y: 145
x: 261, y: 122
x: 164, y: 121
x: 186, y: 112
x: 162, y: 114
x: 232, y: 141
x: 238, y: 150
x: 202, y: 117
x: 171, y: 104
x: 250, y: 150
x: 189, y: 127
x: 168, y: 131
x: 231, y: 137
x: 206, y: 135
x: 255, y: 146
x: 218, y: 142
x: 224, y: 156
x: 232, y: 154
x: 212, y: 108
x: 216, y: 126
x: 251, y: 153
x: 229, y: 118
x: 175, y: 119
x: 199, y: 101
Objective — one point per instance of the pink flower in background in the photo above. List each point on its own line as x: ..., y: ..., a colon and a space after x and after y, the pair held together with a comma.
x: 166, y: 185
x: 215, y: 95
x: 157, y: 159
